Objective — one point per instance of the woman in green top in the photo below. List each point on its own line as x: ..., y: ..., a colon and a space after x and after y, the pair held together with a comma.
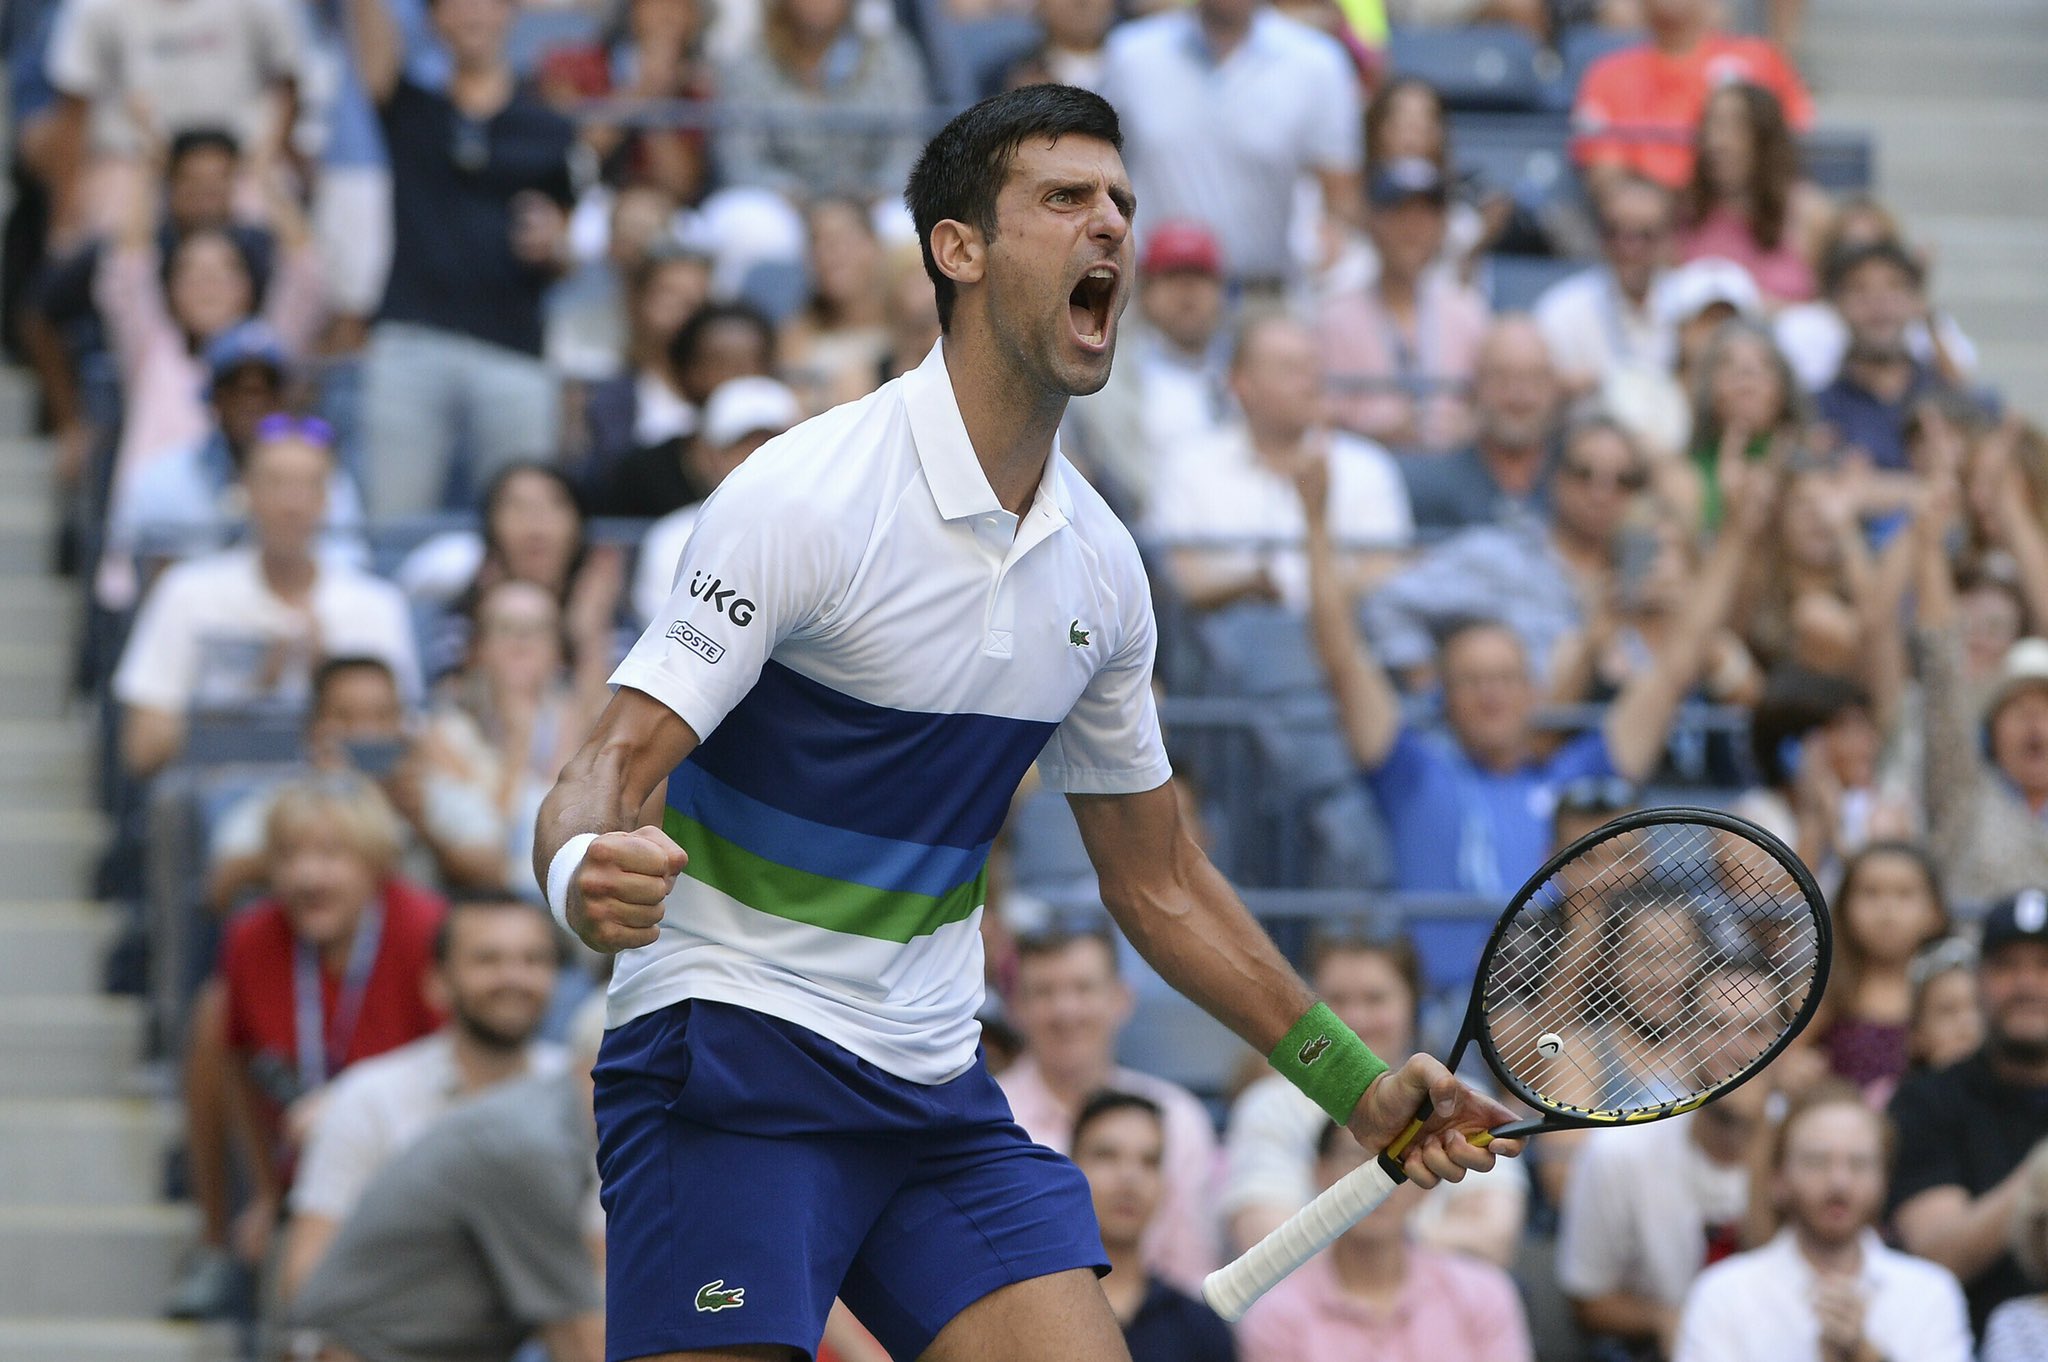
x: 1745, y: 399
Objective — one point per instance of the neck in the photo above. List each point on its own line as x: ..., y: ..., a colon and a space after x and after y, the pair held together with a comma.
x: 1010, y: 426
x: 1073, y: 1085
x: 1677, y: 38
x: 1886, y: 378
x: 1637, y: 291
x: 1125, y: 1284
x: 480, y: 87
x: 289, y: 573
x: 1830, y: 1257
x: 1514, y: 467
x: 1501, y: 757
x: 1585, y: 554
x: 479, y: 1063
x: 1397, y: 291
x: 1276, y: 445
x: 1374, y: 1267
x: 334, y: 954
x: 1222, y: 34
x: 2020, y: 1069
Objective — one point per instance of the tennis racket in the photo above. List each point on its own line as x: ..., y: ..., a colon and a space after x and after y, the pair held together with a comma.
x: 1651, y: 966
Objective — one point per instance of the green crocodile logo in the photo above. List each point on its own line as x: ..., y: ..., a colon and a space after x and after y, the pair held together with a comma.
x: 715, y: 1296
x: 1076, y: 635
x: 1311, y: 1051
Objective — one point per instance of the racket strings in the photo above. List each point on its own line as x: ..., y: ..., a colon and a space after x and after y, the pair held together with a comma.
x: 1656, y: 965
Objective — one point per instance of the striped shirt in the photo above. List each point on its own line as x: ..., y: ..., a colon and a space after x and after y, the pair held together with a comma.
x: 874, y: 652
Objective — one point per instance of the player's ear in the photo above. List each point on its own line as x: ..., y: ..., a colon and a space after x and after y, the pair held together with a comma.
x: 960, y: 251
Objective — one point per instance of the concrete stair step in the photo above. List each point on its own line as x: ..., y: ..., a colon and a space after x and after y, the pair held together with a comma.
x: 68, y: 1047
x: 48, y: 853
x: 52, y: 948
x: 90, y: 1262
x: 31, y: 1339
x: 83, y: 1152
x: 35, y: 677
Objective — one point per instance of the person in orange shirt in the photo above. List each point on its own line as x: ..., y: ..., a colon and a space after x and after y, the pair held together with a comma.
x: 1638, y: 109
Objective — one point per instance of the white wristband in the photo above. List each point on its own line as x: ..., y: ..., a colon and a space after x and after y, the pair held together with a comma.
x: 563, y: 869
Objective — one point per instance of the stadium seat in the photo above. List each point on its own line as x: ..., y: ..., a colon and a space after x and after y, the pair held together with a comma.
x: 538, y: 31
x: 984, y: 50
x: 1260, y: 650
x: 1525, y: 156
x: 1840, y: 160
x: 1481, y: 67
x: 1046, y: 853
x: 1578, y: 47
x: 777, y: 288
x: 1513, y: 282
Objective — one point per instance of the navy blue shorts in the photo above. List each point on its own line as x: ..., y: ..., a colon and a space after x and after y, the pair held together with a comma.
x: 753, y: 1170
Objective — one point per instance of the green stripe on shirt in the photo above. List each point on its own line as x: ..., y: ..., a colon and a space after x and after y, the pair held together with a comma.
x: 818, y: 900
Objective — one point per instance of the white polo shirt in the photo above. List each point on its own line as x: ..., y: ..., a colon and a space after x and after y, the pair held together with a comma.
x: 874, y: 652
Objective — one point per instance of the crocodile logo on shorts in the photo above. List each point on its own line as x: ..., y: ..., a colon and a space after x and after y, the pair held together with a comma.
x: 1311, y: 1051
x: 715, y: 1296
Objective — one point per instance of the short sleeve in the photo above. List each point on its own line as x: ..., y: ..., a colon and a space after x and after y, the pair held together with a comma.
x: 161, y: 658
x: 1584, y: 757
x: 527, y: 1224
x: 242, y: 830
x: 1929, y: 1154
x: 347, y: 1146
x: 759, y: 567
x: 1704, y: 1334
x: 1336, y: 133
x: 1372, y: 500
x: 1109, y: 743
x: 1267, y: 1149
x: 280, y: 40
x: 77, y: 63
x: 1594, y: 1246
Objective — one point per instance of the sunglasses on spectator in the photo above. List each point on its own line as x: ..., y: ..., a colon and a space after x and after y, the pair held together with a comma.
x: 1630, y: 480
x: 285, y: 426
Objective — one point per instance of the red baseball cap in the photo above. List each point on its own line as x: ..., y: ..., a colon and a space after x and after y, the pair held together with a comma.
x: 1177, y: 246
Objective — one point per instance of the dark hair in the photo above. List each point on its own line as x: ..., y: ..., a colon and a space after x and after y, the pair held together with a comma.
x: 333, y: 669
x: 682, y: 351
x: 1358, y: 938
x: 1381, y: 109
x: 495, y: 491
x: 1795, y: 702
x: 1850, y: 963
x: 1629, y: 182
x: 1773, y: 170
x: 486, y: 901
x: 194, y: 140
x: 1792, y: 399
x: 961, y: 172
x: 1462, y: 626
x: 1108, y: 1102
x: 1057, y: 937
x: 1846, y: 260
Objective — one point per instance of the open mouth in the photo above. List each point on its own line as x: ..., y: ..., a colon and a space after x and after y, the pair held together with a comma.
x: 1088, y: 306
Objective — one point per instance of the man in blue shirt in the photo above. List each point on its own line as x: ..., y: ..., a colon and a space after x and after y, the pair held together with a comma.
x: 1878, y: 290
x: 1469, y: 810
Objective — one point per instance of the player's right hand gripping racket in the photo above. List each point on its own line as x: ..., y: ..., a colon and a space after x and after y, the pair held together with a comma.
x: 1648, y: 968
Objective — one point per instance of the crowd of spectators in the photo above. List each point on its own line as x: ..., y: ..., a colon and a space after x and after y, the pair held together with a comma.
x: 389, y: 348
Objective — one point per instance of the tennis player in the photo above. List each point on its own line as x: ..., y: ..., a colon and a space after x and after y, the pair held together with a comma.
x: 781, y: 824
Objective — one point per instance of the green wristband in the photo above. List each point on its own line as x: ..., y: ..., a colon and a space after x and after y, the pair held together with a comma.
x: 1326, y: 1059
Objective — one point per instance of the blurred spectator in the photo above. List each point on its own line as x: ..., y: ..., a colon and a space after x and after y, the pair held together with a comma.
x: 839, y: 336
x: 1605, y: 316
x: 744, y: 414
x: 1170, y: 388
x: 1878, y: 290
x: 644, y: 405
x: 1813, y: 335
x: 481, y: 1235
x: 1965, y: 1131
x: 1826, y: 1286
x: 2018, y: 1329
x: 1808, y: 593
x: 1532, y: 15
x: 495, y: 961
x: 1406, y: 119
x: 1069, y: 1004
x: 1747, y: 201
x: 1744, y: 399
x: 1374, y: 1294
x: 1888, y: 909
x: 534, y: 528
x: 655, y: 52
x: 1506, y: 468
x: 1076, y: 41
x: 1375, y: 987
x: 453, y: 836
x: 519, y: 709
x: 818, y: 62
x: 1646, y: 1210
x: 1538, y: 579
x: 480, y: 191
x: 248, y: 625
x: 1947, y: 1024
x: 1816, y: 743
x: 1238, y: 483
x: 721, y: 341
x: 190, y: 499
x: 1400, y: 351
x: 589, y: 320
x: 1182, y: 80
x: 1468, y: 810
x: 163, y: 311
x: 1638, y: 109
x: 329, y: 972
x: 1692, y: 302
x: 135, y: 72
x: 1119, y: 1144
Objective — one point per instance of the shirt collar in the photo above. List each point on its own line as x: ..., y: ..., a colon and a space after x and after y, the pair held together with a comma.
x: 1256, y: 36
x: 1783, y: 1253
x: 947, y: 456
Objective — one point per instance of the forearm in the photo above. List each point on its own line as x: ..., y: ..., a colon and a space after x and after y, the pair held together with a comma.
x: 1625, y: 1316
x: 578, y: 1339
x: 150, y: 740
x: 373, y: 37
x: 1367, y: 707
x: 1965, y: 1235
x: 590, y: 796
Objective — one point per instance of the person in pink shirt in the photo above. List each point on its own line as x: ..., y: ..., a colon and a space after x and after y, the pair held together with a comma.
x: 1375, y: 1297
x: 161, y: 314
x: 1400, y: 352
x: 1069, y: 1004
x: 1747, y: 201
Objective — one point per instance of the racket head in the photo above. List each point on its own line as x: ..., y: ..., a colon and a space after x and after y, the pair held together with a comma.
x: 1651, y: 966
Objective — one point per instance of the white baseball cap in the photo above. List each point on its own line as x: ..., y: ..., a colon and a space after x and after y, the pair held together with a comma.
x: 1697, y: 285
x: 2025, y: 666
x: 749, y: 405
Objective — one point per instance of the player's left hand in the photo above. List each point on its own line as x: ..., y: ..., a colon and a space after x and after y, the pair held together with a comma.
x: 1442, y: 1152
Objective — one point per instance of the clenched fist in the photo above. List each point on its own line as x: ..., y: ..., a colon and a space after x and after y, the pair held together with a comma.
x: 615, y: 897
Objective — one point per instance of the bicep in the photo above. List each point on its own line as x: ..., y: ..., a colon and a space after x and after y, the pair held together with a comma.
x: 1129, y: 836
x: 645, y: 740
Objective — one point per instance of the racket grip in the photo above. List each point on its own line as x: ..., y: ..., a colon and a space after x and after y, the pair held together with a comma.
x: 1231, y: 1289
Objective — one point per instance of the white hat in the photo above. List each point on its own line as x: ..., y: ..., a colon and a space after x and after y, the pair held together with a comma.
x: 2026, y: 664
x: 1697, y: 285
x: 748, y: 405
